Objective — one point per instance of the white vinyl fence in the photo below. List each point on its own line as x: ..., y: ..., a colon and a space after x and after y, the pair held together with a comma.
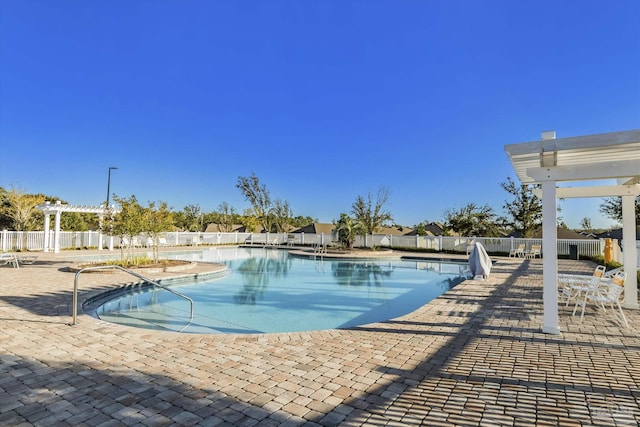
x: 34, y: 241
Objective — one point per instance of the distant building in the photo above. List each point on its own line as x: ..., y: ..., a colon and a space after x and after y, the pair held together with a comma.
x: 563, y: 233
x: 218, y: 228
x: 616, y: 234
x: 316, y: 228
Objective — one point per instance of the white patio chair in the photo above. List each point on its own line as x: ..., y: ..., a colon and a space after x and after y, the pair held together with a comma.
x: 517, y: 252
x: 574, y: 285
x: 9, y: 259
x: 162, y: 241
x: 607, y: 293
x: 535, y: 251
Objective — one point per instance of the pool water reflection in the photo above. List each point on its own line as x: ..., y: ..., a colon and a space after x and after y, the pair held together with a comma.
x: 270, y: 291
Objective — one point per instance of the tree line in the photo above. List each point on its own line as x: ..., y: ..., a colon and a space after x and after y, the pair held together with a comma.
x: 523, y: 214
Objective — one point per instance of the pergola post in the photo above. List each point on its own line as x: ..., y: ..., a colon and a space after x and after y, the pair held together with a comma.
x: 629, y: 257
x: 47, y: 221
x: 56, y: 233
x: 549, y: 262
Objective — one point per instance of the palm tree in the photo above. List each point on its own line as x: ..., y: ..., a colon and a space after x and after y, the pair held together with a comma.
x: 347, y: 229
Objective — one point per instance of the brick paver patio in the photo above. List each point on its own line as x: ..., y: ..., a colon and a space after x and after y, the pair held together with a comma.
x: 474, y: 356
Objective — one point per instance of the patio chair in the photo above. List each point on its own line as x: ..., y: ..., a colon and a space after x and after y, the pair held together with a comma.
x: 573, y: 285
x: 517, y: 252
x: 534, y: 252
x: 9, y: 259
x: 162, y: 241
x: 26, y: 259
x: 608, y: 292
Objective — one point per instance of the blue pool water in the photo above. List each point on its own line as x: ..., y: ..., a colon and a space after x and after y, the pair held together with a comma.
x: 268, y: 291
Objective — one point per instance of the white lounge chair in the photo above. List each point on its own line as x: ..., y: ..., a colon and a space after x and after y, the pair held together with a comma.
x: 535, y: 251
x: 9, y: 259
x: 517, y: 252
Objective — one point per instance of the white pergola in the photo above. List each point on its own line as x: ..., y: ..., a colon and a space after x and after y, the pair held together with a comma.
x: 57, y: 209
x: 585, y: 160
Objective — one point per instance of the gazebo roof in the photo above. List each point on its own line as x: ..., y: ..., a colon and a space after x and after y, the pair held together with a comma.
x: 614, y: 155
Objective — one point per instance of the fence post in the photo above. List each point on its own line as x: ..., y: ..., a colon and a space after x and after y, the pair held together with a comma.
x: 302, y: 238
x: 4, y: 239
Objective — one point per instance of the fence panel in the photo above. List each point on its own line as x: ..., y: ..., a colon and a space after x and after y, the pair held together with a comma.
x: 34, y: 241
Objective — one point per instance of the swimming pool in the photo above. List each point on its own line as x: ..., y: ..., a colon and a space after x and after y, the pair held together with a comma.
x: 268, y: 291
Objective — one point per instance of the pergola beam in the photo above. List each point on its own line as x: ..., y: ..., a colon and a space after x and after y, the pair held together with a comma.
x: 596, y: 191
x: 584, y: 172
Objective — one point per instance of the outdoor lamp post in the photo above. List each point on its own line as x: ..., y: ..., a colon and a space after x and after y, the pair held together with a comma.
x: 109, y: 183
x: 108, y: 211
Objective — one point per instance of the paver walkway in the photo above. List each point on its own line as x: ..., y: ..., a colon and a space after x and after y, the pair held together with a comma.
x: 474, y: 356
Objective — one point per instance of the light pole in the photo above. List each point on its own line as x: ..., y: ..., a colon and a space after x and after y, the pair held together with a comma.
x: 109, y: 183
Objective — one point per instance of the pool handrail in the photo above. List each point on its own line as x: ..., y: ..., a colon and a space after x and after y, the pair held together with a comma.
x: 133, y: 273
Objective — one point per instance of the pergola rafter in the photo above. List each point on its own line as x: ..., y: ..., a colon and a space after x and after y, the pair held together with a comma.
x: 584, y: 159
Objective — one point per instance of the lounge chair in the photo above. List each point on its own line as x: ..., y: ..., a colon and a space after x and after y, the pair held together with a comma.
x: 9, y: 259
x: 517, y: 252
x: 27, y: 259
x: 535, y: 251
x: 274, y: 242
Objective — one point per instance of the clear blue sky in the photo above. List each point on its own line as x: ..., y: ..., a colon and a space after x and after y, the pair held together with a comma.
x: 323, y: 100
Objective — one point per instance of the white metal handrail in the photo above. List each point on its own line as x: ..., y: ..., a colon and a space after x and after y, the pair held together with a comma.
x: 139, y: 276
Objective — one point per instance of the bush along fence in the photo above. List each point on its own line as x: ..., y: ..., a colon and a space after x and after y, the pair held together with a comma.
x: 68, y: 240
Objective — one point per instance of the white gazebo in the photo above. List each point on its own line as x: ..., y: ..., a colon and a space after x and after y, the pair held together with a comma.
x: 57, y: 209
x: 613, y: 157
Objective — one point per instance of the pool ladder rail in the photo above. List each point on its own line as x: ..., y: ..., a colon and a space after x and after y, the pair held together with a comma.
x: 133, y: 273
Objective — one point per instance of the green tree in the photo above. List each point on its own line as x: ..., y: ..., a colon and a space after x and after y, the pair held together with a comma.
x: 128, y: 223
x: 249, y: 221
x: 347, y: 229
x: 20, y: 209
x: 612, y: 208
x: 226, y: 217
x: 472, y: 220
x: 525, y: 209
x: 157, y: 220
x: 259, y: 198
x: 370, y: 213
x: 282, y: 215
x: 301, y: 221
x: 421, y: 229
x: 192, y: 218
x: 585, y: 225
